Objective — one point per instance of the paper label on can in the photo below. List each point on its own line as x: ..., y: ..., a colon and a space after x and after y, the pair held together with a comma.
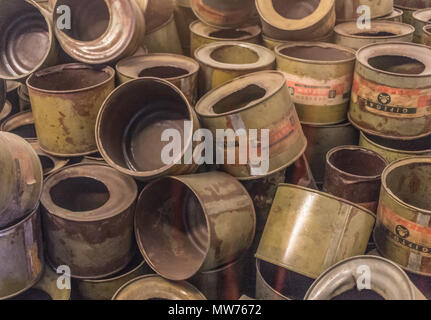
x: 391, y: 101
x: 408, y: 234
x: 308, y: 91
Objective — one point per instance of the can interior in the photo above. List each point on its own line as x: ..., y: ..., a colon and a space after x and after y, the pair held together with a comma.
x: 47, y: 163
x: 234, y: 54
x: 163, y: 72
x: 411, y: 184
x: 229, y: 34
x: 294, y: 9
x: 239, y: 99
x: 172, y: 230
x: 375, y: 33
x: 356, y: 294
x: 33, y: 294
x: 397, y: 64
x: 357, y: 162
x: 26, y: 131
x: 89, y: 19
x: 79, y: 194
x: 316, y: 53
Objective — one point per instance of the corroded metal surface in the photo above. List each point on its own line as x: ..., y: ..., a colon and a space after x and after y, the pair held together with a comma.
x: 21, y: 124
x: 347, y: 10
x: 164, y: 39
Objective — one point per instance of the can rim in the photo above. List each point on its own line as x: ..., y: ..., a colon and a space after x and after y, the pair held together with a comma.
x: 263, y: 280
x: 415, y: 152
x: 417, y: 15
x: 196, y: 25
x: 338, y: 29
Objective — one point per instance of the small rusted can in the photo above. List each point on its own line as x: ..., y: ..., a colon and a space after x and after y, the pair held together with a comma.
x: 178, y: 70
x: 288, y: 20
x: 184, y: 16
x: 403, y: 228
x: 319, y: 78
x: 348, y: 34
x: 21, y: 179
x: 308, y: 231
x: 409, y: 7
x: 396, y: 15
x: 348, y: 10
x: 65, y: 102
x: 387, y: 281
x: 421, y: 18
x: 153, y: 287
x: 209, y: 217
x: 50, y: 164
x: 273, y: 43
x: 393, y: 150
x: 133, y: 119
x: 202, y: 34
x: 27, y: 41
x: 21, y: 256
x: 391, y: 90
x: 224, y: 13
x: 157, y: 12
x: 21, y: 124
x: 227, y: 60
x: 5, y: 112
x: 164, y: 39
x: 354, y: 173
x: 426, y: 35
x: 254, y: 103
x: 88, y: 219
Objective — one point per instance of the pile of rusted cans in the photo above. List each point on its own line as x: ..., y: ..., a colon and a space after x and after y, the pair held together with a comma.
x: 213, y: 149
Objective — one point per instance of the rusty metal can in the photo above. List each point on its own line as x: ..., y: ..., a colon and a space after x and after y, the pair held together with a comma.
x: 178, y: 70
x: 65, y: 102
x: 347, y: 10
x: 209, y: 217
x: 202, y: 34
x: 308, y: 231
x: 164, y: 39
x: 354, y: 173
x: 350, y: 35
x: 27, y: 41
x: 50, y: 164
x: 153, y: 287
x: 227, y: 60
x: 132, y: 119
x: 403, y: 228
x: 409, y: 7
x: 184, y: 16
x: 288, y: 20
x: 391, y: 89
x: 273, y: 43
x: 319, y: 78
x: 396, y: 15
x: 88, y: 219
x: 426, y: 35
x: 21, y: 254
x: 21, y: 124
x: 421, y: 18
x: 21, y: 179
x: 387, y: 281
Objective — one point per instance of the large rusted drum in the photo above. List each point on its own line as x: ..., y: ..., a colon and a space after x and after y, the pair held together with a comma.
x: 21, y: 124
x: 421, y: 18
x: 88, y: 220
x: 347, y: 10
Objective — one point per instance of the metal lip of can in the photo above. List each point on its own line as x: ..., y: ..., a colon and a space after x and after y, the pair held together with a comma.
x: 203, y: 30
x: 422, y: 15
x: 395, y: 15
x: 260, y: 278
x: 398, y: 30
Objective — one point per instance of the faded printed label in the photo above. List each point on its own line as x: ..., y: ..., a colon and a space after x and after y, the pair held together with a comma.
x: 391, y: 101
x: 310, y: 91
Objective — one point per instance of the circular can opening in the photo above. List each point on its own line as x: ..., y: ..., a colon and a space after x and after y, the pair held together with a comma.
x: 316, y: 53
x: 229, y: 34
x: 164, y: 72
x: 239, y: 99
x: 231, y: 54
x: 397, y: 64
x: 294, y: 9
x: 358, y: 162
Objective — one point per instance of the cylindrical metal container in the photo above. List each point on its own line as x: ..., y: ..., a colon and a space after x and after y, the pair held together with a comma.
x: 308, y: 231
x: 396, y: 16
x: 132, y: 121
x: 21, y: 179
x: 209, y: 217
x: 387, y: 281
x: 421, y: 18
x: 21, y: 256
x: 21, y: 124
x: 27, y: 41
x: 224, y: 13
x: 319, y: 78
x: 403, y: 228
x: 102, y: 31
x: 104, y: 289
x: 178, y: 70
x: 157, y: 12
x: 289, y: 20
x: 202, y: 34
x: 354, y: 173
x: 153, y: 287
x: 391, y: 95
x: 88, y: 219
x: 65, y: 102
x: 349, y: 35
x: 184, y: 16
x: 321, y: 139
x: 426, y: 35
x: 23, y: 98
x: 6, y: 112
x: 49, y: 163
x: 227, y: 60
x: 410, y: 6
x: 393, y: 150
x: 347, y: 10
x: 273, y: 43
x: 259, y: 109
x: 164, y: 39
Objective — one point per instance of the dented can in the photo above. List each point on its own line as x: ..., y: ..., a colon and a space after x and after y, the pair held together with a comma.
x: 164, y: 39
x: 50, y: 164
x: 88, y: 220
x: 65, y: 102
x: 421, y: 18
x: 273, y: 43
x: 209, y: 217
x: 319, y: 78
x: 391, y: 90
x: 403, y: 228
x: 21, y: 124
x: 348, y: 10
x: 184, y: 16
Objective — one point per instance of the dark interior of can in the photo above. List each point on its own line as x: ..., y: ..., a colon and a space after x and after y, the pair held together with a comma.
x: 134, y: 119
x: 375, y: 33
x: 412, y: 184
x: 69, y: 79
x: 397, y: 64
x: 79, y: 194
x: 405, y: 145
x: 172, y: 229
x: 89, y: 19
x: 317, y: 53
x: 33, y: 294
x: 239, y: 99
x: 229, y: 34
x: 356, y: 294
x: 26, y: 131
x: 358, y: 162
x: 47, y: 163
x: 234, y: 54
x: 163, y: 72
x: 295, y: 9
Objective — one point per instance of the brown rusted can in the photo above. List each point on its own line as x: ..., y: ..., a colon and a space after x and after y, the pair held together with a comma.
x: 354, y: 173
x: 21, y: 124
x: 209, y: 217
x: 88, y: 219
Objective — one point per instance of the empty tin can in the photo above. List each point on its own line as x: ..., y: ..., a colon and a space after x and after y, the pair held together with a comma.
x: 347, y: 10
x: 21, y: 124
x: 164, y: 39
x: 421, y: 18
